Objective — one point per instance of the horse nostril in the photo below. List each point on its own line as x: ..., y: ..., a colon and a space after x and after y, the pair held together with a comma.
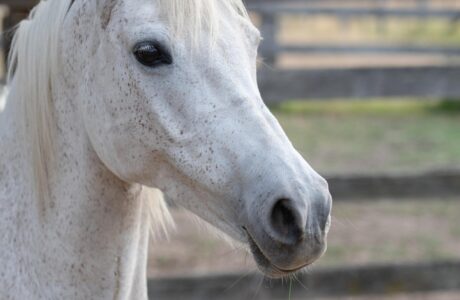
x: 286, y: 222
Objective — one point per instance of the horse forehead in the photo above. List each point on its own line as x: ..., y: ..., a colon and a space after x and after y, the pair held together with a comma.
x: 138, y: 12
x: 230, y: 32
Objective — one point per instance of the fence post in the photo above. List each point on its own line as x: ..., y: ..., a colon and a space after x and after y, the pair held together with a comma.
x: 382, y: 19
x: 423, y: 3
x: 269, y: 29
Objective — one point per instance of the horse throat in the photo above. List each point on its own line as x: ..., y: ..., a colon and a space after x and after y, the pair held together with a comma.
x: 91, y: 243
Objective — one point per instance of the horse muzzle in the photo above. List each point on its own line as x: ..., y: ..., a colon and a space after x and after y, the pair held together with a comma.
x: 290, y: 234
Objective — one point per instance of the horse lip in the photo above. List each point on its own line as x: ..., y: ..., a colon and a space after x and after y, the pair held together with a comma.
x: 268, y: 267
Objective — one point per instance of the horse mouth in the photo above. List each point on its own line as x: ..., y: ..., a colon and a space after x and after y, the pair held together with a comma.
x: 263, y: 262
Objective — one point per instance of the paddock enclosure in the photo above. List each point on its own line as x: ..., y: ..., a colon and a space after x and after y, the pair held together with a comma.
x: 368, y: 91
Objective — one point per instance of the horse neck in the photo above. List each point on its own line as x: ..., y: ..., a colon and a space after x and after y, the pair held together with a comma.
x: 91, y: 241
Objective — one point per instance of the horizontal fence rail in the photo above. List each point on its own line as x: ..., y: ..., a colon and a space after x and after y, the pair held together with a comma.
x: 427, y: 185
x: 357, y: 12
x: 369, y: 49
x: 365, y: 280
x: 279, y: 85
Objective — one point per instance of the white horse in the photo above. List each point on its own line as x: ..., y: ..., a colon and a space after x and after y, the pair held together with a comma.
x: 111, y: 98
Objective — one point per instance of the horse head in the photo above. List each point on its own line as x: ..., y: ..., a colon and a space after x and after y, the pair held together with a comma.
x: 168, y: 93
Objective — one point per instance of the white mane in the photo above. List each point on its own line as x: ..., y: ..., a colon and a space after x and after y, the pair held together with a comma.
x: 189, y: 18
x: 32, y: 67
x: 33, y: 64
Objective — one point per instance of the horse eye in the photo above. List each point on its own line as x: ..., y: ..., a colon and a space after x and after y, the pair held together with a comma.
x: 152, y: 54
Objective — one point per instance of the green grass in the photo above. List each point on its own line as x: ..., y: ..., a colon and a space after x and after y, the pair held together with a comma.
x: 371, y: 106
x: 374, y: 136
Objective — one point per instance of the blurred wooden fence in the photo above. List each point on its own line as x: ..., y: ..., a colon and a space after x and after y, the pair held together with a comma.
x: 18, y: 10
x: 279, y: 85
x: 271, y: 12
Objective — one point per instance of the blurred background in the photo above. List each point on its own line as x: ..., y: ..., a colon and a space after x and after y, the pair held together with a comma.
x: 368, y: 91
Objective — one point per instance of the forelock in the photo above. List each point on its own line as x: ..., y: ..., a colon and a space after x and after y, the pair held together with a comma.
x: 190, y: 18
